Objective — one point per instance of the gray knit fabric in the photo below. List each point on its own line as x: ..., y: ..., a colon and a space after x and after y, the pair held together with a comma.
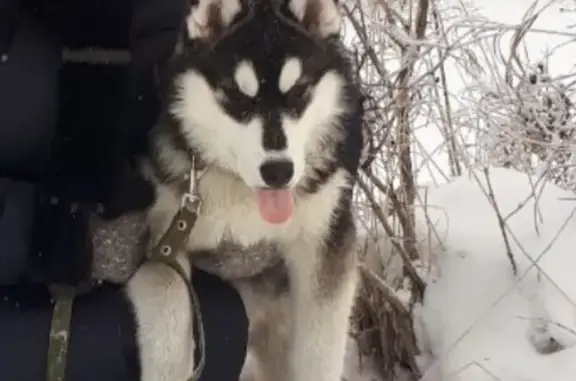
x: 119, y: 249
x: 119, y: 246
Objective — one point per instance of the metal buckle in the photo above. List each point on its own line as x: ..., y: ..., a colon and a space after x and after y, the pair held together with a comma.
x: 191, y: 198
x: 172, y: 242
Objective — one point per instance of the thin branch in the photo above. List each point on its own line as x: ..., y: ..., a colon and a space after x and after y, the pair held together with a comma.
x: 501, y: 222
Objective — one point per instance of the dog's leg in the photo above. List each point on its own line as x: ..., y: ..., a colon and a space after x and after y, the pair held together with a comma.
x: 268, y: 342
x: 267, y: 304
x: 163, y: 316
x: 322, y: 287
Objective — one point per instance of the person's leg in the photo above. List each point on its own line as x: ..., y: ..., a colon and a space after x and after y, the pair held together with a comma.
x: 226, y: 327
x: 104, y: 338
x: 102, y: 342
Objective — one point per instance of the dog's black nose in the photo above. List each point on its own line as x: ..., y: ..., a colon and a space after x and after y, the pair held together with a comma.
x: 277, y: 173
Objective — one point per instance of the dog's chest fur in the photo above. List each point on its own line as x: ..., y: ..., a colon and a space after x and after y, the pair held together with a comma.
x: 231, y: 237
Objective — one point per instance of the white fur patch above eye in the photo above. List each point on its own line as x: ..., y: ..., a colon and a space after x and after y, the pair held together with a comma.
x: 290, y: 74
x: 246, y: 79
x: 198, y: 20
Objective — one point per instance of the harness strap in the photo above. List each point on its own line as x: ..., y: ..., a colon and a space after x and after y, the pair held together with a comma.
x: 166, y: 251
x: 172, y: 242
x: 60, y: 331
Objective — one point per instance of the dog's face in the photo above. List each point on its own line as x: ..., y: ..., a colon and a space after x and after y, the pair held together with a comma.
x: 258, y: 94
x: 261, y: 85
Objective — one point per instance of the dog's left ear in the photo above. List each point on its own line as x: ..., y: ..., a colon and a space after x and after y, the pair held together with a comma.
x: 320, y: 17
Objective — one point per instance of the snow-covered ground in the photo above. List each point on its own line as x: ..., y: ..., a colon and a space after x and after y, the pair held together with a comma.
x: 479, y: 322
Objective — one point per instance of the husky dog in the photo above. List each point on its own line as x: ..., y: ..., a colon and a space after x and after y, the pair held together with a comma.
x: 262, y: 95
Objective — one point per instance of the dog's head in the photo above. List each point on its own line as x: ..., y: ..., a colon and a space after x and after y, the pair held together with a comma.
x: 261, y: 85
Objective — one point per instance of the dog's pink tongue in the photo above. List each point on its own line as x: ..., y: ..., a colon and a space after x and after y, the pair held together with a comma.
x: 276, y: 205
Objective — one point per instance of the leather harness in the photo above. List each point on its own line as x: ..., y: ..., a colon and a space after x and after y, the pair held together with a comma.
x: 171, y: 243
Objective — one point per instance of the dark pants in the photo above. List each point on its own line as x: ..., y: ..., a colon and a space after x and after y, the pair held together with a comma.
x: 28, y: 121
x: 102, y: 341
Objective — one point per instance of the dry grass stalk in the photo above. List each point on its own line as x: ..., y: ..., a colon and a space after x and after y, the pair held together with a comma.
x: 382, y: 322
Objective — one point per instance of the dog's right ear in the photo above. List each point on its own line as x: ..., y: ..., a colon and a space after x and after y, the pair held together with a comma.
x: 207, y: 19
x: 320, y: 17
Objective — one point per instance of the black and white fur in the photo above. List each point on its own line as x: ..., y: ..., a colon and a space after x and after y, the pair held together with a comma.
x: 255, y: 81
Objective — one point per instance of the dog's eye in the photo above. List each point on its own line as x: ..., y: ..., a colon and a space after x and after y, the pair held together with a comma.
x: 300, y: 91
x: 298, y: 95
x: 229, y: 87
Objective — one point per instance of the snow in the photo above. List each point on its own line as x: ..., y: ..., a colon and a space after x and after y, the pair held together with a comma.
x: 356, y: 370
x: 478, y: 321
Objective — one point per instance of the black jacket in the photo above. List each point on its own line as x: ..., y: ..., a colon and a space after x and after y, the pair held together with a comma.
x: 96, y: 135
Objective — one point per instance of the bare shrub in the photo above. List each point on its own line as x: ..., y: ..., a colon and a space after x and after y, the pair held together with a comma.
x: 444, y: 93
